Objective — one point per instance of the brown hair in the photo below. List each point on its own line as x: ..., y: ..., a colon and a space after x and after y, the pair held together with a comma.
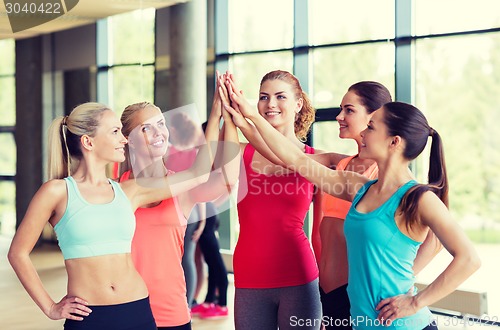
x: 306, y: 116
x: 410, y: 124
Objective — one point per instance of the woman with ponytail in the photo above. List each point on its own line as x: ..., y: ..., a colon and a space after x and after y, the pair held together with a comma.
x: 389, y: 217
x: 93, y: 218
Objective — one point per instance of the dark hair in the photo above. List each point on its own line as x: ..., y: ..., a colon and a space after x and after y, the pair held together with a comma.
x: 372, y: 94
x: 410, y: 124
x: 306, y: 115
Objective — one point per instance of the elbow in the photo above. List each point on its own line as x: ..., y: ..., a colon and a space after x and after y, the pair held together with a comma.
x: 13, y: 257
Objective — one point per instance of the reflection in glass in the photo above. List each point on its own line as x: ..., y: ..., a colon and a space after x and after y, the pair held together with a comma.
x: 344, y: 21
x: 335, y: 69
x: 260, y: 25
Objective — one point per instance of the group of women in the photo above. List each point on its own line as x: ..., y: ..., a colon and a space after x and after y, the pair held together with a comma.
x: 378, y: 230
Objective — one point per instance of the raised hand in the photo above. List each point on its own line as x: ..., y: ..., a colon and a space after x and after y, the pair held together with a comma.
x: 239, y: 102
x: 72, y: 308
x: 217, y: 102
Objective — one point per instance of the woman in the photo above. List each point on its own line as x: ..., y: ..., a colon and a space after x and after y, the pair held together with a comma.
x: 275, y: 274
x: 356, y: 109
x: 158, y: 244
x: 94, y: 222
x: 389, y: 217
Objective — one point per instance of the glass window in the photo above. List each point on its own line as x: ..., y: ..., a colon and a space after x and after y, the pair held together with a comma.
x: 434, y: 17
x: 133, y: 37
x: 260, y: 25
x: 7, y: 54
x: 337, y: 68
x: 457, y: 88
x: 326, y: 138
x: 131, y: 84
x: 249, y: 70
x: 8, y: 100
x: 8, y: 154
x: 344, y: 21
x: 7, y: 208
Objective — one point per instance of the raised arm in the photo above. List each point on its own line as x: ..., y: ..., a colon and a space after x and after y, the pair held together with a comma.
x: 434, y: 214
x: 340, y: 184
x: 143, y: 191
x: 48, y: 203
x: 247, y: 128
x: 226, y: 167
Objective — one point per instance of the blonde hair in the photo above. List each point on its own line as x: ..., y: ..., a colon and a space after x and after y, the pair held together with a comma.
x: 64, y: 137
x: 307, y: 115
x: 127, y: 120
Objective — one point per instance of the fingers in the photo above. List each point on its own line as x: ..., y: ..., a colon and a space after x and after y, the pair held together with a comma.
x: 72, y: 308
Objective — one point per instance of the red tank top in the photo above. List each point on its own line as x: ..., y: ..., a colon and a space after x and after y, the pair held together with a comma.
x: 272, y: 249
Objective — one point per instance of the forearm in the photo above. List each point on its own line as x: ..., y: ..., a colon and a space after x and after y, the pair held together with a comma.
x: 30, y: 280
x: 455, y: 274
x: 255, y: 139
x: 206, y: 153
x: 231, y: 154
x: 280, y: 146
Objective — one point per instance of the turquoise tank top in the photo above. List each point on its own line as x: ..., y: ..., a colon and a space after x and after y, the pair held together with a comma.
x: 89, y: 230
x: 380, y: 261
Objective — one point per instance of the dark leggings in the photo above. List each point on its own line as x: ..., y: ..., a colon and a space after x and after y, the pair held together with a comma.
x: 188, y: 264
x: 217, y: 273
x: 336, y: 308
x: 134, y: 315
x: 186, y: 326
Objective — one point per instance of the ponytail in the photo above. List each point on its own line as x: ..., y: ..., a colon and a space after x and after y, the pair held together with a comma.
x: 410, y: 124
x: 64, y: 137
x: 59, y: 160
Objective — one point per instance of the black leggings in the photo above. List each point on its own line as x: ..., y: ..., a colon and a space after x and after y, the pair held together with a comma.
x: 134, y: 315
x: 217, y: 273
x: 336, y: 306
x: 186, y: 326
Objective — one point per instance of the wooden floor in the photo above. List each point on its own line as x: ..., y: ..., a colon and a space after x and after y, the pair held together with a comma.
x: 19, y: 312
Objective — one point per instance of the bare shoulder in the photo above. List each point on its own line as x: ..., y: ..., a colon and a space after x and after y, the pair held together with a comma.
x: 55, y: 188
x: 431, y: 208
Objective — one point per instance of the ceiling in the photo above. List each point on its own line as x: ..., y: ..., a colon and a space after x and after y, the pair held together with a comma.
x: 85, y: 12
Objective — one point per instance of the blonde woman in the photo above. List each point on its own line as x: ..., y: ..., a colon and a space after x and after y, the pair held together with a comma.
x: 93, y: 218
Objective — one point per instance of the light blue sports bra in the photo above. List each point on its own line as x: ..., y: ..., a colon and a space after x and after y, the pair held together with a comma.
x: 89, y: 230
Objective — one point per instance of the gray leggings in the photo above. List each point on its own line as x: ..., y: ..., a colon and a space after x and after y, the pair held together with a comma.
x: 293, y: 307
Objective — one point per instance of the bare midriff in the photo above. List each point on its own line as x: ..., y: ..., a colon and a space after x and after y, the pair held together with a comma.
x: 105, y: 280
x: 333, y: 260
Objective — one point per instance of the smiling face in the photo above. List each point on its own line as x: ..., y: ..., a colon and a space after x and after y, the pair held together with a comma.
x: 149, y: 138
x: 353, y: 117
x: 109, y: 142
x: 278, y: 103
x: 375, y: 140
